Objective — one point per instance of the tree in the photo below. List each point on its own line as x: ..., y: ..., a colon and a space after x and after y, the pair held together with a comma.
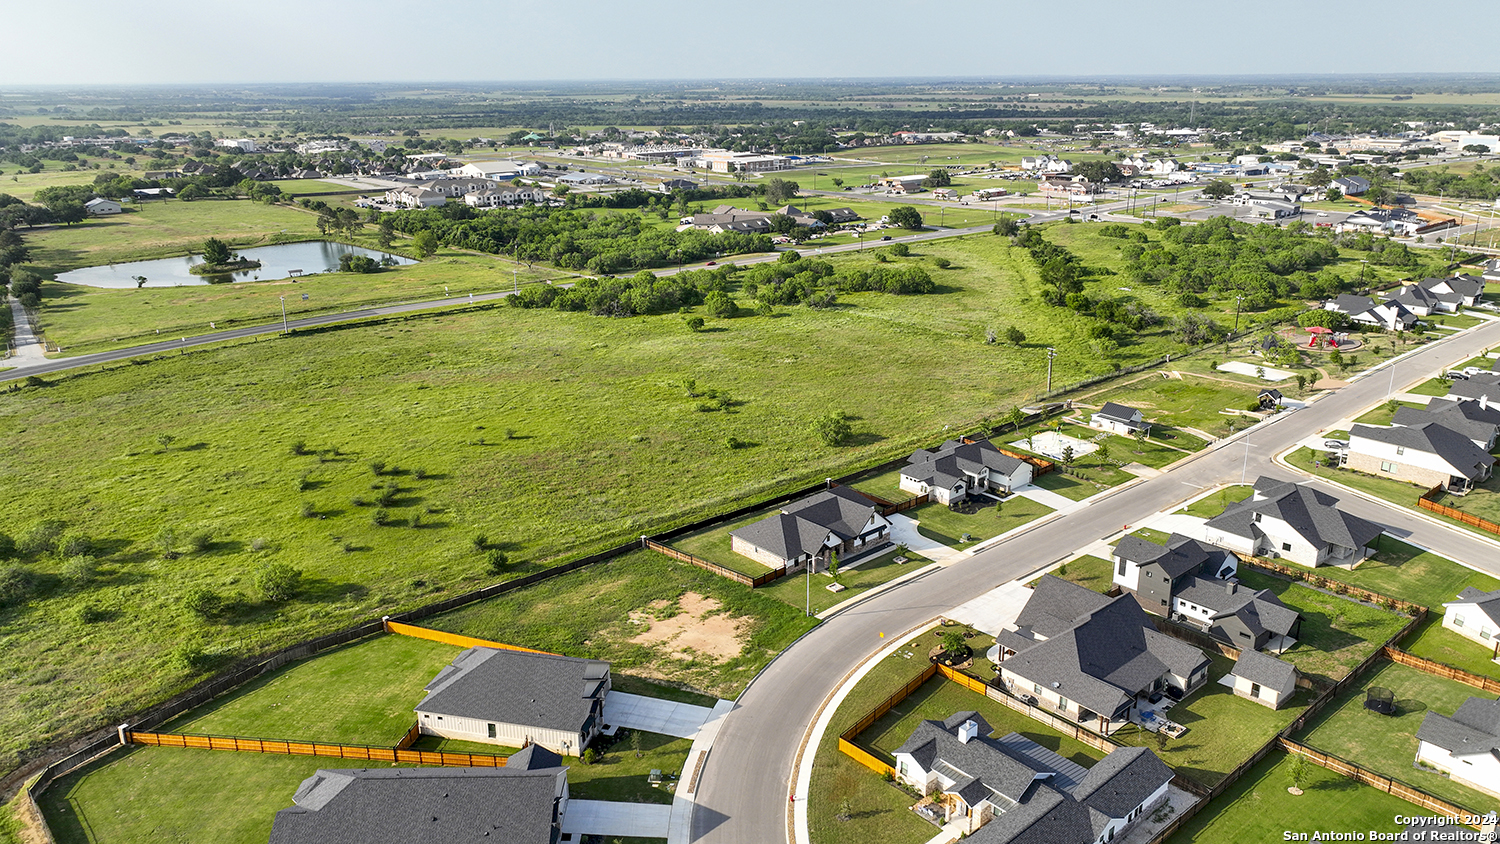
x: 720, y: 304
x: 837, y: 182
x: 833, y: 565
x: 387, y: 233
x: 426, y: 243
x: 1480, y: 149
x: 1140, y: 438
x: 1336, y: 358
x: 1103, y: 452
x: 192, y: 192
x: 1013, y: 417
x: 140, y: 281
x: 906, y: 217
x: 1067, y: 456
x: 1097, y: 171
x: 278, y: 582
x: 1218, y: 189
x: 833, y: 429
x: 1015, y: 336
x: 1333, y: 194
x: 216, y: 251
x: 780, y: 191
x: 938, y: 178
x: 1298, y: 772
x: 1319, y: 177
x: 1007, y: 226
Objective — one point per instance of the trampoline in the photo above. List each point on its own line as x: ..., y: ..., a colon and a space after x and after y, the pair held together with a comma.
x: 1380, y: 701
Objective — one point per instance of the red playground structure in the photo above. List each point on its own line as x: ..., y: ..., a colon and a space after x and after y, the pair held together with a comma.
x: 1318, y: 337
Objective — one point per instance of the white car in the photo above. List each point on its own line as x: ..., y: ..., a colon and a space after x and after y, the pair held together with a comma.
x: 1322, y: 213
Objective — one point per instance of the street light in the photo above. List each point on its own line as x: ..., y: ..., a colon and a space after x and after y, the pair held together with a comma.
x: 284, y: 329
x: 1051, y: 353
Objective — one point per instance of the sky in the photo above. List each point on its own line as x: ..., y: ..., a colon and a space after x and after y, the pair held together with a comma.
x: 90, y: 42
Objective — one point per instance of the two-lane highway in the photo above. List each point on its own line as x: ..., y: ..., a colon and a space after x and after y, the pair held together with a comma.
x: 746, y: 780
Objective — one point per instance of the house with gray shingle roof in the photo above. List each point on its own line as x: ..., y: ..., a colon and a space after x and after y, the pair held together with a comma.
x: 1249, y: 619
x: 960, y: 468
x: 838, y: 520
x: 1475, y: 614
x: 1428, y: 454
x: 521, y: 803
x: 1264, y: 679
x: 1118, y: 419
x: 1010, y: 790
x: 1479, y: 423
x: 1093, y: 668
x: 516, y: 699
x: 1483, y: 388
x: 1387, y: 313
x: 1284, y: 520
x: 1153, y: 572
x: 1465, y: 746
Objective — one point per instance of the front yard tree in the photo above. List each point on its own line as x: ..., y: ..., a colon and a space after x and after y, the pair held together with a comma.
x: 1067, y: 457
x: 906, y: 217
x: 1333, y: 195
x: 833, y: 429
x: 1103, y: 452
x: 1140, y: 439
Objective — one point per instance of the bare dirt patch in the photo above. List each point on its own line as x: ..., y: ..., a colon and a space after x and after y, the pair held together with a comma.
x: 697, y: 629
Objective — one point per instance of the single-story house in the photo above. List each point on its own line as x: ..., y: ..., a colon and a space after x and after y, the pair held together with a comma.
x: 1480, y: 423
x: 944, y: 193
x: 1483, y: 388
x: 1424, y: 301
x: 1273, y: 209
x: 521, y: 803
x: 1264, y: 679
x: 1428, y: 454
x: 99, y: 206
x: 1460, y: 290
x: 836, y: 521
x: 670, y: 185
x: 1475, y: 614
x: 517, y: 698
x: 1092, y: 659
x: 1387, y: 314
x: 1351, y: 185
x: 1284, y: 520
x: 581, y: 179
x: 1465, y: 746
x: 1118, y: 419
x: 960, y: 468
x: 153, y: 193
x: 1011, y: 790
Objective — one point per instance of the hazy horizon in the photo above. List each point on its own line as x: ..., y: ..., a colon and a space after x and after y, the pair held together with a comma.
x: 177, y: 42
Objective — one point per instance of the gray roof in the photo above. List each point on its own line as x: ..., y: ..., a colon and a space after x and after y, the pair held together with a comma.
x: 803, y: 527
x: 1452, y: 417
x: 1474, y: 728
x: 1265, y: 669
x: 953, y: 459
x: 1105, y: 658
x: 1483, y: 385
x: 1487, y: 603
x: 421, y: 806
x: 1042, y: 805
x: 1260, y: 611
x: 1413, y: 296
x: 1462, y: 285
x: 1312, y: 514
x: 1119, y: 412
x: 1179, y: 556
x: 1056, y: 605
x: 1454, y: 448
x: 515, y: 687
x: 788, y: 537
x: 1350, y: 304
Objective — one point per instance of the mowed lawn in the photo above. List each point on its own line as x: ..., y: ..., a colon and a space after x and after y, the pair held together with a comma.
x: 1259, y: 808
x: 362, y: 693
x: 1387, y: 744
x: 1337, y: 633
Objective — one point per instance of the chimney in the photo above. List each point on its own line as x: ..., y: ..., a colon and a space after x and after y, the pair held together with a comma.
x: 966, y: 731
x: 1229, y: 587
x: 1484, y: 402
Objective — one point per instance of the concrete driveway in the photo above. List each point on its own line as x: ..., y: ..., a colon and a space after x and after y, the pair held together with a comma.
x: 654, y: 715
x: 629, y: 820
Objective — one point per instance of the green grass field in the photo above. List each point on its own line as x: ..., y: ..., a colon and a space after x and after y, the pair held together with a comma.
x: 1090, y: 572
x: 938, y: 523
x: 1433, y: 641
x: 1188, y: 402
x: 1258, y: 807
x: 868, y: 575
x: 1387, y: 744
x: 1212, y: 505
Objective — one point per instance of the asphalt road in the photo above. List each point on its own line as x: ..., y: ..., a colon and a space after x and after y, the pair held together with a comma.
x: 747, y: 778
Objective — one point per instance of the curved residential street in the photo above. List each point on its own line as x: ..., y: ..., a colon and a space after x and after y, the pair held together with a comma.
x: 747, y: 778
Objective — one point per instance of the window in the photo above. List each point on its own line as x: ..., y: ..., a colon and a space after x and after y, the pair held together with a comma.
x: 1400, y: 450
x: 1255, y: 690
x: 1484, y: 632
x: 1458, y: 621
x: 1036, y: 687
x: 492, y: 731
x: 1148, y: 575
x: 1062, y: 703
x: 1257, y: 517
x: 1388, y: 468
x: 1286, y: 546
x: 1122, y: 566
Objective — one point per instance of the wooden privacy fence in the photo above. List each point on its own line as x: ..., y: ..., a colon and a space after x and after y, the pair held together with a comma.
x: 308, y: 748
x: 1427, y: 502
x: 1441, y: 669
x: 722, y: 571
x: 453, y: 638
x: 846, y: 738
x: 1396, y: 788
x: 1339, y: 587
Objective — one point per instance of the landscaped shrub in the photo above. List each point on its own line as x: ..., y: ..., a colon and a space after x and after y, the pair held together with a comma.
x: 7, y: 547
x: 201, y: 540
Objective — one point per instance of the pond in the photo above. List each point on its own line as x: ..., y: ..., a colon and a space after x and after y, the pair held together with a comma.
x: 279, y: 261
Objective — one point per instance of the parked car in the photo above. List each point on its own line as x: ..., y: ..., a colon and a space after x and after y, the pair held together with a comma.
x: 1456, y: 375
x: 885, y: 237
x: 1336, y: 445
x: 1473, y: 370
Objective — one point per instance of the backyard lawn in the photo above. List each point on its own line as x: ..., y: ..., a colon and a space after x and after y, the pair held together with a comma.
x: 1388, y: 744
x: 938, y: 523
x: 1223, y: 729
x: 1258, y: 807
x: 1337, y: 633
x: 1433, y: 641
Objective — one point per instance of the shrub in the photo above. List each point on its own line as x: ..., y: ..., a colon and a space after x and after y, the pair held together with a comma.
x: 693, y: 323
x: 304, y: 483
x: 166, y: 543
x: 74, y: 543
x: 497, y: 560
x: 203, y: 602
x: 7, y: 547
x: 308, y: 510
x: 92, y: 614
x: 377, y: 467
x: 16, y: 585
x: 734, y: 443
x: 481, y: 542
x: 415, y: 520
x: 419, y: 473
x: 259, y: 544
x: 299, y: 447
x: 40, y: 538
x: 380, y: 518
x: 80, y: 569
x: 900, y: 250
x: 720, y: 304
x: 201, y: 540
x: 278, y: 582
x: 193, y: 657
x: 590, y: 756
x: 833, y: 429
x: 942, y: 263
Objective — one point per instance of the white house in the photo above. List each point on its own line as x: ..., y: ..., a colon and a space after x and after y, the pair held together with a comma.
x: 505, y: 196
x: 1264, y: 679
x: 1010, y: 790
x: 960, y: 468
x: 516, y: 698
x: 1465, y: 746
x: 1118, y: 419
x: 1294, y: 523
x: 99, y: 206
x: 413, y: 196
x: 1475, y: 615
x: 1045, y: 164
x: 1428, y: 454
x: 1389, y: 314
x: 499, y: 171
x: 836, y: 521
x: 241, y: 144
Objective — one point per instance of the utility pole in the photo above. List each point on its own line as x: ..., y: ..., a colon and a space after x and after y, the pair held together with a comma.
x: 284, y: 329
x: 1051, y: 353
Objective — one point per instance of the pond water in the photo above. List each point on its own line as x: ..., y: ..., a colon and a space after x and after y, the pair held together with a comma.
x: 279, y: 261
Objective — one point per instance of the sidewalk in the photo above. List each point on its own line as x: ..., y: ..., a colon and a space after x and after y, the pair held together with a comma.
x: 29, y: 350
x: 904, y: 532
x: 680, y: 823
